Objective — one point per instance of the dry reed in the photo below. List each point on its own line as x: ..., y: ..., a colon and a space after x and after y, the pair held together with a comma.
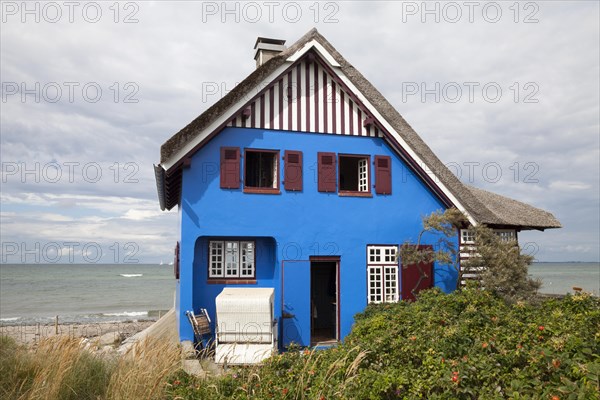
x: 141, y: 373
x: 62, y: 368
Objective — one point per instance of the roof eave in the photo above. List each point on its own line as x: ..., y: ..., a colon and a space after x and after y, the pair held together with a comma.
x: 159, y: 174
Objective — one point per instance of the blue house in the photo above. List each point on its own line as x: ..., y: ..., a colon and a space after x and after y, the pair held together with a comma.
x: 305, y: 179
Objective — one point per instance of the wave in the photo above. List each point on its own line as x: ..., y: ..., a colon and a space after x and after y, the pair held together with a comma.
x: 127, y: 314
x: 9, y: 319
x: 131, y: 275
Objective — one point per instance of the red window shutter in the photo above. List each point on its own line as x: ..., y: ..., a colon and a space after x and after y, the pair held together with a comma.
x: 327, y: 178
x: 293, y: 170
x: 230, y: 167
x: 383, y: 175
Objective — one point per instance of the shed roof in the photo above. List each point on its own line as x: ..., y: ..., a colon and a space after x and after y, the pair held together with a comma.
x: 482, y: 206
x: 503, y: 210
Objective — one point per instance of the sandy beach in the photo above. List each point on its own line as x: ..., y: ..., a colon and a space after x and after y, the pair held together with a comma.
x: 108, y: 333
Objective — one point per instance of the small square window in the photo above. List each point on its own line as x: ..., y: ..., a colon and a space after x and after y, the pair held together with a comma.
x: 261, y: 171
x: 467, y: 236
x: 354, y: 173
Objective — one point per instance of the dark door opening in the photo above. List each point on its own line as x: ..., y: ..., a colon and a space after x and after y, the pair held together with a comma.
x: 323, y: 301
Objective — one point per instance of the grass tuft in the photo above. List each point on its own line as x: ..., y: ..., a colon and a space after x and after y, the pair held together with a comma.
x: 62, y: 368
x: 141, y: 373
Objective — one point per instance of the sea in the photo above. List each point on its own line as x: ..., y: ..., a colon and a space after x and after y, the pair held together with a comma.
x: 87, y: 293
x: 561, y: 277
x: 92, y: 293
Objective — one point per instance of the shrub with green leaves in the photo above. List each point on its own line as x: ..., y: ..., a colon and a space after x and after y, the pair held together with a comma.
x: 470, y: 344
x: 504, y: 267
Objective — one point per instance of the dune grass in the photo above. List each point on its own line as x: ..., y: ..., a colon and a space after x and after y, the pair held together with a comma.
x: 62, y: 368
x: 143, y: 371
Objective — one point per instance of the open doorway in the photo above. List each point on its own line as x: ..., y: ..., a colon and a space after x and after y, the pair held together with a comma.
x: 324, y: 301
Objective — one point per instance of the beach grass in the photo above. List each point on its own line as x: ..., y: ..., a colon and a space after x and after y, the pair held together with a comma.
x: 143, y: 371
x: 62, y: 368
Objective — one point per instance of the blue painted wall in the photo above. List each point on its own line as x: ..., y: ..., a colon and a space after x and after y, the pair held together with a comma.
x: 296, y: 225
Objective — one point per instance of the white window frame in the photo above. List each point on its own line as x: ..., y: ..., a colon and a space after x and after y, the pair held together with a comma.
x: 363, y: 175
x: 231, y: 259
x: 506, y: 235
x: 382, y: 274
x: 467, y: 236
x: 363, y: 171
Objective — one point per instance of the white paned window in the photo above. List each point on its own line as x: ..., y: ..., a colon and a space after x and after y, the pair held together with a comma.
x: 382, y: 272
x: 375, y: 290
x: 247, y: 259
x: 467, y: 236
x: 353, y: 173
x: 506, y: 235
x: 231, y: 259
x: 382, y: 255
x: 215, y: 259
x: 390, y: 275
x: 363, y: 177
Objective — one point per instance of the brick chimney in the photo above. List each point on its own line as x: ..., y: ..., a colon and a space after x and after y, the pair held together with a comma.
x: 266, y: 49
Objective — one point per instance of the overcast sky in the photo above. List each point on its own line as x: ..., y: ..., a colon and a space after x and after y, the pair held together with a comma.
x: 506, y: 94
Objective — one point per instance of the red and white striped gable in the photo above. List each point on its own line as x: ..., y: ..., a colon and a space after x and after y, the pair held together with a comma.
x: 307, y: 98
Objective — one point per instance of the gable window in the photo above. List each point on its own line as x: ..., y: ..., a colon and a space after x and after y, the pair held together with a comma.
x: 231, y: 259
x: 382, y: 274
x: 467, y: 236
x: 353, y: 173
x: 261, y: 171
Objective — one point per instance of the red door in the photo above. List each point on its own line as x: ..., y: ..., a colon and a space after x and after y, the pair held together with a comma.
x: 410, y: 275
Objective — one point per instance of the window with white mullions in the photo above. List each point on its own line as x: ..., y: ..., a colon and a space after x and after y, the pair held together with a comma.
x: 506, y: 235
x: 382, y: 272
x: 382, y: 255
x: 354, y: 173
x: 231, y: 259
x: 374, y: 282
x: 391, y: 283
x: 247, y: 259
x: 216, y: 259
x: 363, y: 177
x: 467, y: 236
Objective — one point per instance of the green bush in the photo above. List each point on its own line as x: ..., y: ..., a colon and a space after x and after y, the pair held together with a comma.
x: 470, y: 344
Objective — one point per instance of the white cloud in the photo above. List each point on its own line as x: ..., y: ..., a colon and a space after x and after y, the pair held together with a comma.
x: 140, y: 215
x: 569, y: 185
x: 173, y: 51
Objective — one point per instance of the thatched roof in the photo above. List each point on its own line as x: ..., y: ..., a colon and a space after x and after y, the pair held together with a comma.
x: 476, y: 202
x: 506, y: 211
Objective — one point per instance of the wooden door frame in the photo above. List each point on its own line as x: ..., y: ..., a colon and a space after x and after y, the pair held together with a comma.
x: 338, y: 306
